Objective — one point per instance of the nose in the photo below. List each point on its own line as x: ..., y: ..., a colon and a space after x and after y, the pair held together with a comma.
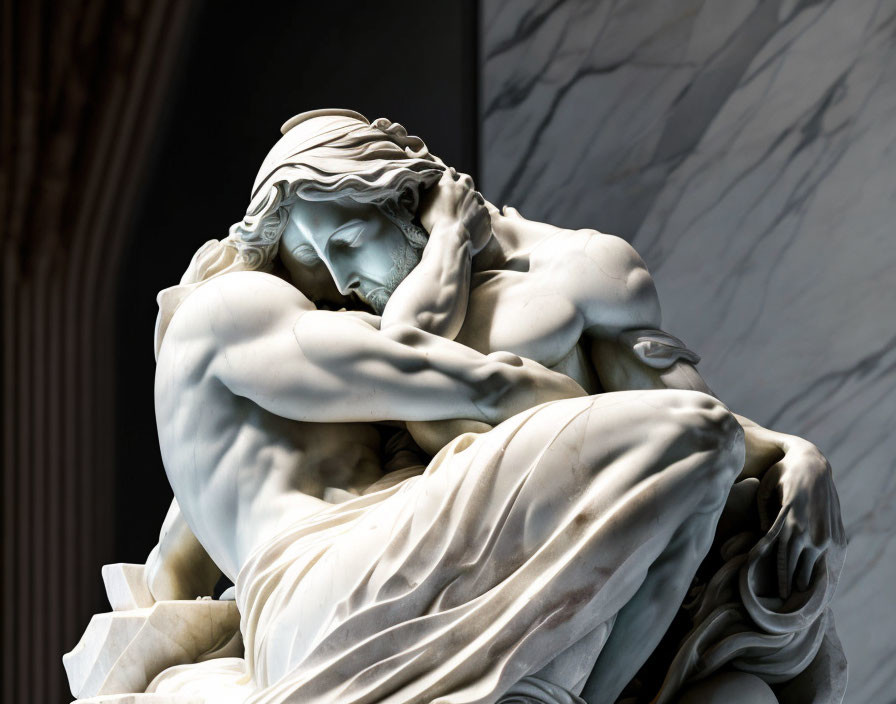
x: 346, y: 281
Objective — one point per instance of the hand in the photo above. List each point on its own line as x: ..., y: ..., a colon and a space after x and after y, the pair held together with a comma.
x: 809, y: 521
x: 533, y: 384
x: 454, y: 200
x: 433, y: 435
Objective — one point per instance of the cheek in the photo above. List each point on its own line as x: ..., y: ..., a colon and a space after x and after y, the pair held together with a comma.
x: 378, y: 255
x: 373, y: 263
x: 392, y: 244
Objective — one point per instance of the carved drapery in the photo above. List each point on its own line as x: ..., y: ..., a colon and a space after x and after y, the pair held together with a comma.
x: 82, y: 88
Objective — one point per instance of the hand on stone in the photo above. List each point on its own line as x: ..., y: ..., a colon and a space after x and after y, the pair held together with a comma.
x: 454, y: 200
x: 808, y: 522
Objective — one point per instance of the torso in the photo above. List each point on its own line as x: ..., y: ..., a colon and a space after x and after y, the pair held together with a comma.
x: 239, y: 472
x: 527, y: 310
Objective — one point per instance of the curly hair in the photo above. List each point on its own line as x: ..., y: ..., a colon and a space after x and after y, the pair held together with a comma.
x: 322, y: 155
x: 331, y: 155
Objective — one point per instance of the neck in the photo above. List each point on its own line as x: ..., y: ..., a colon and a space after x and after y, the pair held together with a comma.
x: 504, y: 250
x: 494, y: 255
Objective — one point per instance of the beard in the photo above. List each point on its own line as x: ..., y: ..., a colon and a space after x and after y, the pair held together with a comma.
x: 403, y: 262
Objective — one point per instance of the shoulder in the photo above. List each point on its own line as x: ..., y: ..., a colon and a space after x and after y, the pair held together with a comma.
x: 238, y: 305
x: 609, y: 282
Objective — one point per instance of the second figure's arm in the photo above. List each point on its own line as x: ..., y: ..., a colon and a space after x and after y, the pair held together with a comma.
x: 433, y: 297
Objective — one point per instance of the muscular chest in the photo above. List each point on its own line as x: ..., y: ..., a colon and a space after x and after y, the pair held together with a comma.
x: 521, y: 312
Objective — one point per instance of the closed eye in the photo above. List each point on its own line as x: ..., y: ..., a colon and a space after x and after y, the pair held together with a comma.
x: 349, y: 235
x: 306, y: 255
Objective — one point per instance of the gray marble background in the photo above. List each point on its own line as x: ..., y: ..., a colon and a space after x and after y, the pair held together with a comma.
x: 748, y: 151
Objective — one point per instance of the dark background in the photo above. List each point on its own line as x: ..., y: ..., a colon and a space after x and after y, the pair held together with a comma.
x: 131, y: 134
x: 131, y: 131
x: 239, y: 79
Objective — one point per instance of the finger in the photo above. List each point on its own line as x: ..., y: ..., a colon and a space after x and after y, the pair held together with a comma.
x: 493, y: 212
x: 444, y: 180
x: 783, y: 548
x: 838, y: 531
x: 806, y: 567
x: 769, y: 487
x: 469, y: 201
x: 794, y: 552
x: 510, y: 212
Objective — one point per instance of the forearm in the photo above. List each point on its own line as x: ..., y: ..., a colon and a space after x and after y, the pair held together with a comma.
x: 273, y: 348
x: 762, y: 448
x: 434, y: 296
x: 410, y: 375
x: 331, y: 368
x: 766, y: 447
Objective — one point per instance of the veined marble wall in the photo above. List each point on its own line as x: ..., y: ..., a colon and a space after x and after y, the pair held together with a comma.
x: 748, y: 151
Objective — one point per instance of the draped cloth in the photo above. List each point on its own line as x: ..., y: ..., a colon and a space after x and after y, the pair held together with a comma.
x: 454, y: 586
x: 466, y: 582
x: 738, y: 621
x: 438, y: 588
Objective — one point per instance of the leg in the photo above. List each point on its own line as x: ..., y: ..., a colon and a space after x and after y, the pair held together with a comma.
x: 641, y: 623
x: 215, y: 681
x: 512, y: 546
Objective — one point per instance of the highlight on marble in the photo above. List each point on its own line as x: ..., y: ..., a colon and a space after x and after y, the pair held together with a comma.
x: 447, y: 453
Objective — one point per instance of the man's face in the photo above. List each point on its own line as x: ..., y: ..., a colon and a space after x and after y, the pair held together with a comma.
x: 361, y: 249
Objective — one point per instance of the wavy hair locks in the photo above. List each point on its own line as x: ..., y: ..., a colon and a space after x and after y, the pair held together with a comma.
x: 322, y: 155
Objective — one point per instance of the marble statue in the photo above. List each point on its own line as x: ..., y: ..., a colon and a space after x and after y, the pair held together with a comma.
x: 447, y: 454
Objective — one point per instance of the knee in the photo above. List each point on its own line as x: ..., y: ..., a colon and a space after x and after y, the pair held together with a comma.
x: 701, y: 423
x: 704, y: 419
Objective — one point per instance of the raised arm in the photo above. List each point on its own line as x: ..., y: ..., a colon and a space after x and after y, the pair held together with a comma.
x: 433, y: 297
x: 270, y: 345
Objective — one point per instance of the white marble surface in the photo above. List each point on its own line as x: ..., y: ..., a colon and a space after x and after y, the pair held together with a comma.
x: 747, y: 151
x: 122, y: 651
x: 507, y: 563
x: 142, y: 699
x: 126, y: 587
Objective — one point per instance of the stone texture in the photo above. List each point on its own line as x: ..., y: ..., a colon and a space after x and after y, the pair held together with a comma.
x: 123, y: 651
x: 747, y: 151
x: 126, y: 587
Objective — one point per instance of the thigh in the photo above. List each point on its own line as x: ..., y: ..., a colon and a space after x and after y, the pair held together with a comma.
x: 488, y: 502
x: 509, y: 548
x: 584, y: 454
